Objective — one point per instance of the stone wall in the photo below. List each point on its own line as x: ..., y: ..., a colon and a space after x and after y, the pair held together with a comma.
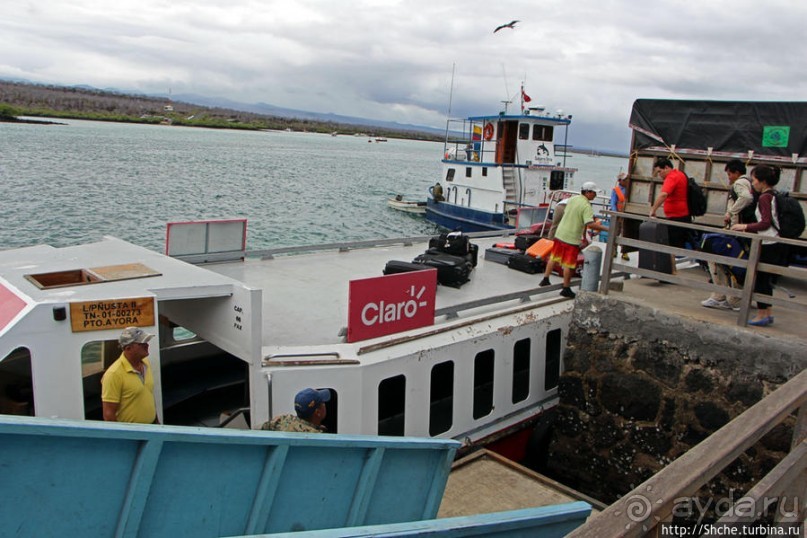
x: 642, y: 386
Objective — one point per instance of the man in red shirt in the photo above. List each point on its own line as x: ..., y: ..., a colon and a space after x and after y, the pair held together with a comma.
x: 674, y: 197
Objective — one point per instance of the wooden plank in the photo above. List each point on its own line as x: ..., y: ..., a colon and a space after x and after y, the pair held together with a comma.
x: 365, y: 488
x: 774, y: 484
x: 145, y: 465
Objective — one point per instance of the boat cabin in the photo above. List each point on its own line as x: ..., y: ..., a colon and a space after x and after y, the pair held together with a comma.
x: 495, y: 165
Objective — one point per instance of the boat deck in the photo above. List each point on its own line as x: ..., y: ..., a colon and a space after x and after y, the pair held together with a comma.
x: 293, y: 285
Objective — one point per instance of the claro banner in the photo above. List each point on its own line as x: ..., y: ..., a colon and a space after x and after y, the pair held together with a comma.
x: 390, y: 304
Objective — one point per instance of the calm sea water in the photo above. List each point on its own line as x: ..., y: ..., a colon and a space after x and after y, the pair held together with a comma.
x: 69, y: 184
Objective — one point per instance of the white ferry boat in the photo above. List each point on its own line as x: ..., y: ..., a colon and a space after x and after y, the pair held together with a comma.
x: 500, y: 170
x: 239, y: 334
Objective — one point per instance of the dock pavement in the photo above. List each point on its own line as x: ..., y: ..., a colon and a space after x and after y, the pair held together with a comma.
x: 686, y: 301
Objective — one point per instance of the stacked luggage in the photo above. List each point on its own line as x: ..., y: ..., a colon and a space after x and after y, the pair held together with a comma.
x: 452, y: 254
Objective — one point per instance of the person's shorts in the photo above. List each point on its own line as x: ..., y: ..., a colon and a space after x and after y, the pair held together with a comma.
x: 565, y: 254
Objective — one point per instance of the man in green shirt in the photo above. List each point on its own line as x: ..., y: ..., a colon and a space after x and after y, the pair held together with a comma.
x: 578, y: 216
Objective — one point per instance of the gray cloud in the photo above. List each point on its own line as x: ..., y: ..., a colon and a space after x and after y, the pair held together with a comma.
x: 392, y: 60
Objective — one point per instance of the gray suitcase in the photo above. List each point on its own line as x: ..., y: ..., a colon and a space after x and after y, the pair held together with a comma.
x: 500, y: 255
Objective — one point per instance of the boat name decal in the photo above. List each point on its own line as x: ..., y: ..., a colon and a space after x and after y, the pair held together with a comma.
x: 114, y: 314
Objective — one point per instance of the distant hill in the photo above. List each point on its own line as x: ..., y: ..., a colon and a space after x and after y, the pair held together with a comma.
x: 86, y: 102
x: 272, y: 110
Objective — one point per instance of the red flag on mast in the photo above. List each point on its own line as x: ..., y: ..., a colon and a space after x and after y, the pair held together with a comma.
x: 524, y: 97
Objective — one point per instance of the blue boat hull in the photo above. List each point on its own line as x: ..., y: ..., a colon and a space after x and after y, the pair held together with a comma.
x: 466, y: 219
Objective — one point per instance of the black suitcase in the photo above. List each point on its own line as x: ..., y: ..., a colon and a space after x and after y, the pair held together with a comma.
x: 500, y: 255
x: 455, y: 243
x: 452, y: 271
x: 526, y: 264
x: 394, y: 267
x: 472, y: 256
x: 654, y: 232
x: 523, y: 242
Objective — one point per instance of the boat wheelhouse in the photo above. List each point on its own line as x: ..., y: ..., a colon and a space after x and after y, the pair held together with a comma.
x: 500, y: 170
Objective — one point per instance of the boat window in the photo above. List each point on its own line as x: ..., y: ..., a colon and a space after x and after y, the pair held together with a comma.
x: 441, y: 401
x: 556, y: 180
x: 484, y: 171
x: 468, y: 171
x: 544, y: 133
x: 524, y: 131
x: 483, y: 383
x: 16, y: 383
x: 552, y: 359
x: 333, y: 412
x: 96, y: 357
x: 180, y: 334
x: 521, y: 370
x: 391, y: 405
x: 450, y: 174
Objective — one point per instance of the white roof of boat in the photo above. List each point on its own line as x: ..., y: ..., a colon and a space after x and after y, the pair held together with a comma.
x: 313, y: 288
x: 305, y: 296
x: 175, y: 279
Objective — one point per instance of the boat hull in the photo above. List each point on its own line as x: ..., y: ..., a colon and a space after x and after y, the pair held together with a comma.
x: 466, y: 219
x: 407, y: 206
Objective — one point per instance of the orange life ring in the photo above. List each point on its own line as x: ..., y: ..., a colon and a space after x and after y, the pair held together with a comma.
x: 488, y: 132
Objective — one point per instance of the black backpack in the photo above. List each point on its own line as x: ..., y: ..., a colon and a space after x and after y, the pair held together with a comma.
x: 696, y: 198
x: 789, y: 214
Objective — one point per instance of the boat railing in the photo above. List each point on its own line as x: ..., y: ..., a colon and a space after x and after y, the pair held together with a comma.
x: 752, y: 264
x: 652, y: 504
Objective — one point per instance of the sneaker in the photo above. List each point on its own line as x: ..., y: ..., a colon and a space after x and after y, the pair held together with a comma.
x: 567, y: 292
x: 625, y: 256
x: 712, y: 303
x: 545, y: 282
x: 764, y: 322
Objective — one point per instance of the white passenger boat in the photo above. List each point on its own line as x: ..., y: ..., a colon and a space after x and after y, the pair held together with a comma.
x: 400, y: 355
x: 407, y: 206
x: 499, y: 168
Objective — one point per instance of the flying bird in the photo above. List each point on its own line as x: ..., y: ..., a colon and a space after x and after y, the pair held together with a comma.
x: 511, y: 25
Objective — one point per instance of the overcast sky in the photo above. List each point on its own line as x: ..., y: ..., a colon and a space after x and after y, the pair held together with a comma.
x: 392, y: 60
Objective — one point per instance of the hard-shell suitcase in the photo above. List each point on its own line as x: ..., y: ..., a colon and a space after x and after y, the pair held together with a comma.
x: 541, y: 248
x: 393, y: 267
x: 452, y: 271
x: 523, y: 242
x: 526, y: 264
x: 654, y: 232
x: 500, y: 255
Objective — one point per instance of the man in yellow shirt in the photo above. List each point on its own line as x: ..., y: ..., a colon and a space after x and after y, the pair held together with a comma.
x: 127, y: 388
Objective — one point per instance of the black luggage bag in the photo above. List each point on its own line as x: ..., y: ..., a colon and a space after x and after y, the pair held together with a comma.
x: 523, y: 242
x: 445, y: 244
x: 455, y: 243
x: 452, y: 271
x: 394, y: 267
x: 654, y: 232
x: 526, y: 264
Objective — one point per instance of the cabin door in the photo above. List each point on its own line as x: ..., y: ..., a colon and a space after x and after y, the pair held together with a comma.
x: 506, y: 141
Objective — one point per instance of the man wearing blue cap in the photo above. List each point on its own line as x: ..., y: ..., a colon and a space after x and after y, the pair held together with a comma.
x: 311, y: 411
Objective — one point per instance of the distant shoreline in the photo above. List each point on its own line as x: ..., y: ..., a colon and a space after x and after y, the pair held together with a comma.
x: 12, y: 119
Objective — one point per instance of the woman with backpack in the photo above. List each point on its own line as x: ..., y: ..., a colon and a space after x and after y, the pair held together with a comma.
x: 764, y: 178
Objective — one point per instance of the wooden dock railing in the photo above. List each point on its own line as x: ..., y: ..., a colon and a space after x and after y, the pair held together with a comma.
x: 752, y: 264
